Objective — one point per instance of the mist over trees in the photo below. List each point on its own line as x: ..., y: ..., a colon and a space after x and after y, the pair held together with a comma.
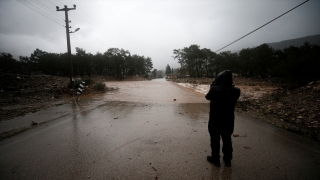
x: 293, y: 63
x: 114, y: 62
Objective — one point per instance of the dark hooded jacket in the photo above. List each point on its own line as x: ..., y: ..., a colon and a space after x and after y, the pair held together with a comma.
x: 223, y: 96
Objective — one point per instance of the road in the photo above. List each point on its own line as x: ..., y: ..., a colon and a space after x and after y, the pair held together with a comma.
x: 149, y: 130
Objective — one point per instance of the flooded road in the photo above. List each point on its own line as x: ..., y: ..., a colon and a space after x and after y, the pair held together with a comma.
x: 150, y: 130
x: 155, y: 91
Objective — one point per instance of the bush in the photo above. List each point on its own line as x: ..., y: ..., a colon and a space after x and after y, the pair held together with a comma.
x: 88, y: 81
x: 100, y: 86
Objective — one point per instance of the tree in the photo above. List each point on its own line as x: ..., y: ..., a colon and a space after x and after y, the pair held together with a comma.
x: 180, y: 55
x: 263, y: 57
x: 82, y: 63
x: 138, y: 65
x: 160, y: 74
x: 99, y: 65
x: 168, y: 70
x: 194, y: 60
x: 8, y: 63
x: 125, y: 57
x: 38, y: 60
x: 116, y: 61
x: 228, y: 60
x: 246, y: 62
x: 209, y: 61
x: 25, y: 64
x: 148, y: 65
x: 154, y: 73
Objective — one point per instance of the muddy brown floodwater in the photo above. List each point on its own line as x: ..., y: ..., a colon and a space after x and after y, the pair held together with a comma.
x: 159, y: 91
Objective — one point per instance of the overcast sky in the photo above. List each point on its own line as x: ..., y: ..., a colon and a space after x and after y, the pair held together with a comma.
x: 152, y: 28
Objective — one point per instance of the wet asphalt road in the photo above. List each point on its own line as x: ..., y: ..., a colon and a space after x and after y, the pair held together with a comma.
x: 140, y: 132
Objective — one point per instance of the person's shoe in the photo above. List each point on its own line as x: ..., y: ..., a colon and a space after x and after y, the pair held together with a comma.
x: 227, y: 163
x: 215, y: 162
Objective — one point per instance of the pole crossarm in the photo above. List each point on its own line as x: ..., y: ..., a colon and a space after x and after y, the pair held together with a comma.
x: 66, y: 9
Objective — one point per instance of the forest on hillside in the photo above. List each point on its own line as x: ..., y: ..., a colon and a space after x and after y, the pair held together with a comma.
x: 292, y: 63
x: 114, y: 62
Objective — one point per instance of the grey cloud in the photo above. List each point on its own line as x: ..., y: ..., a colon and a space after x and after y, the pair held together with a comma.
x: 154, y: 28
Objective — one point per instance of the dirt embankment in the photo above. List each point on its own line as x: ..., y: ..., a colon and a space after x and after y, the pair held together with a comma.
x: 20, y: 94
x: 288, y: 106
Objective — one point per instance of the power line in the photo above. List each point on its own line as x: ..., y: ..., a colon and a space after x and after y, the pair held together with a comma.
x: 101, y: 29
x: 94, y: 21
x: 51, y: 3
x: 50, y: 9
x: 262, y: 26
x: 71, y: 15
x: 40, y: 9
x: 91, y: 26
x: 60, y: 2
x: 53, y: 20
x: 33, y: 5
x: 82, y: 22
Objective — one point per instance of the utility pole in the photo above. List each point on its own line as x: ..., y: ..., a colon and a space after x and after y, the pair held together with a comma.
x: 66, y: 9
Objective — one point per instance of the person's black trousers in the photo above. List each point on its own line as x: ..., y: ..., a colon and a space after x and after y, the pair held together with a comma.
x: 225, y: 133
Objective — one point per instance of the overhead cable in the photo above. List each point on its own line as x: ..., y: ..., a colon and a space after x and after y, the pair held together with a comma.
x: 44, y: 11
x: 27, y: 5
x: 91, y: 27
x: 52, y: 10
x: 71, y: 16
x: 261, y: 26
x: 101, y: 28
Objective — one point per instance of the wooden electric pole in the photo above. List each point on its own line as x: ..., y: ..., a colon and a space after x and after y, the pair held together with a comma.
x: 66, y: 9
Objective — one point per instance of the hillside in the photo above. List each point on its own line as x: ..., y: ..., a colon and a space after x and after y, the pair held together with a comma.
x: 315, y: 39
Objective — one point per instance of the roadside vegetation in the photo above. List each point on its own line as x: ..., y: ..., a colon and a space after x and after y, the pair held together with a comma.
x: 115, y: 62
x: 298, y: 64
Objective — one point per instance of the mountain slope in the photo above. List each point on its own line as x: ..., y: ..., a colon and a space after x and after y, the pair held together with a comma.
x: 315, y: 39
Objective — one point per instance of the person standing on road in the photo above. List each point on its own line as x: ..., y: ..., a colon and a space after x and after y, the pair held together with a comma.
x: 223, y: 96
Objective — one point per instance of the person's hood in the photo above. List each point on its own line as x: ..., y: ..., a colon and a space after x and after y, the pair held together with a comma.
x: 224, y: 78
